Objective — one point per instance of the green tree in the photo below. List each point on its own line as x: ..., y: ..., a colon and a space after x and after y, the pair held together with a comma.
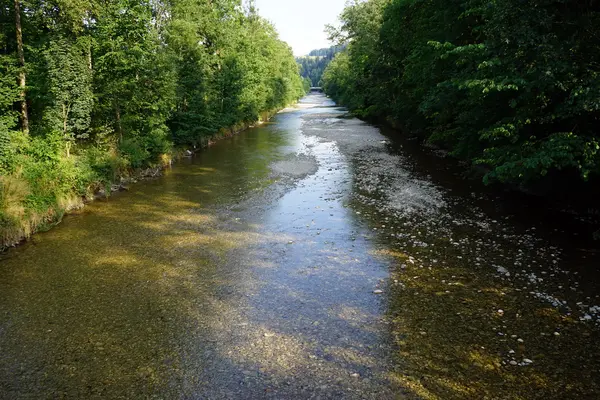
x: 9, y: 95
x: 313, y: 65
x: 22, y: 74
x: 70, y: 83
x: 511, y: 86
x: 133, y: 80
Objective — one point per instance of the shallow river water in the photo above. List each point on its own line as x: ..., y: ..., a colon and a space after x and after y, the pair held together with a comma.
x: 310, y: 258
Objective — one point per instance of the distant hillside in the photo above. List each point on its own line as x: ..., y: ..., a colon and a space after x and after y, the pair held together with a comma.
x: 313, y: 65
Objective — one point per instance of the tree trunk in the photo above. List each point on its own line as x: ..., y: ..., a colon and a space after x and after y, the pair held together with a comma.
x: 90, y: 65
x: 65, y: 119
x: 119, y: 127
x: 68, y: 143
x: 21, y: 55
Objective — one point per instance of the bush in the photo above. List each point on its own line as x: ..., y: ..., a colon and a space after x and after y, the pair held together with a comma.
x: 145, y: 151
x: 134, y: 152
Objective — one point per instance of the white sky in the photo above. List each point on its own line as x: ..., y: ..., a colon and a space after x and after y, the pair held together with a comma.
x: 301, y: 23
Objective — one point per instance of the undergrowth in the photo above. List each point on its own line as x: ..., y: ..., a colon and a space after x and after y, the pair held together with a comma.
x: 45, y: 182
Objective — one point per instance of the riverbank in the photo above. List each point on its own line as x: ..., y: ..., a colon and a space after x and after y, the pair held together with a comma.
x: 37, y: 196
x: 555, y: 196
x: 311, y: 257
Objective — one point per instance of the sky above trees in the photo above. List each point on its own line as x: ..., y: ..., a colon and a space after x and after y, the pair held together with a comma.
x: 301, y: 23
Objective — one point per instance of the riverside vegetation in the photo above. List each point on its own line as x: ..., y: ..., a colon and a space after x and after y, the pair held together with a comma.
x: 510, y: 86
x: 93, y: 90
x: 314, y: 64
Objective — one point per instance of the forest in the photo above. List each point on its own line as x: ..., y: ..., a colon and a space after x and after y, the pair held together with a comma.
x: 512, y: 87
x: 91, y: 90
x: 313, y: 65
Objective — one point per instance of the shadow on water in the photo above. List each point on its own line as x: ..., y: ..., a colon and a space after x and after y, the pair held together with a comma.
x: 567, y: 219
x: 490, y: 299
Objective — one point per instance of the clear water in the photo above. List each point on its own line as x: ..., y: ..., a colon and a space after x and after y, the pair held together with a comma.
x: 311, y: 257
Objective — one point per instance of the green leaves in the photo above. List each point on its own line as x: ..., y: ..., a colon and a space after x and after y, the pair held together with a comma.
x: 313, y: 65
x: 230, y: 67
x: 70, y: 86
x: 9, y: 94
x: 480, y: 78
x: 531, y: 159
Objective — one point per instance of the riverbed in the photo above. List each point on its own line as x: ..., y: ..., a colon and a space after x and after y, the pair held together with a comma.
x: 311, y: 257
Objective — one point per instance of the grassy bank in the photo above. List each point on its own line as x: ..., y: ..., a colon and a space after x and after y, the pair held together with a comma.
x: 50, y: 182
x: 98, y: 92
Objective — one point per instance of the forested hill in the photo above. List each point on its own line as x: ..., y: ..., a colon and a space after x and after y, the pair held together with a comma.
x: 90, y: 90
x: 313, y: 65
x: 512, y: 86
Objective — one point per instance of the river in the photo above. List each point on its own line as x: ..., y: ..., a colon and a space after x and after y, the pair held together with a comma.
x: 313, y: 257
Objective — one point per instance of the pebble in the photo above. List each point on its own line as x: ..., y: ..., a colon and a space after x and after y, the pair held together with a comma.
x: 527, y: 361
x: 355, y: 375
x: 378, y: 291
x: 520, y: 340
x: 513, y: 362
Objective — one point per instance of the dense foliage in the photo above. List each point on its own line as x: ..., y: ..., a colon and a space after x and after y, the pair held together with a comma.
x: 313, y: 65
x: 92, y: 89
x: 512, y: 85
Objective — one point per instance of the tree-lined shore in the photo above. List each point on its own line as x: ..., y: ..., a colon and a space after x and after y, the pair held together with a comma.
x: 314, y: 64
x: 92, y: 90
x: 510, y: 86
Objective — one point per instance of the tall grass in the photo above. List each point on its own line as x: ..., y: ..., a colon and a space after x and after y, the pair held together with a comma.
x: 48, y: 183
x: 14, y: 221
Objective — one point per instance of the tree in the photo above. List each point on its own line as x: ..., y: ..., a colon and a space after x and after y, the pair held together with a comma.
x: 313, y: 65
x: 22, y: 77
x: 9, y: 95
x: 511, y: 86
x: 133, y: 80
x: 70, y: 82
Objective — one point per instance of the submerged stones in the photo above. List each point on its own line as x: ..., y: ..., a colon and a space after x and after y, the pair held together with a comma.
x: 296, y: 166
